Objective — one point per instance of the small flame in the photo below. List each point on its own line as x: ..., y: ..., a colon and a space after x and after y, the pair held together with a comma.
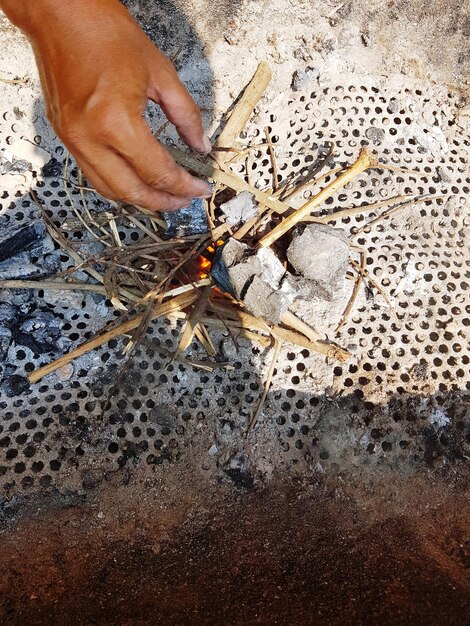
x: 204, y: 263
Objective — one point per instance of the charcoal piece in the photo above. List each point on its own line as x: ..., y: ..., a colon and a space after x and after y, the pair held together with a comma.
x: 28, y: 266
x: 237, y: 470
x: 53, y: 169
x: 190, y: 220
x: 5, y: 341
x: 256, y: 278
x: 14, y: 166
x: 303, y: 78
x: 14, y: 385
x: 43, y: 326
x: 320, y: 253
x: 8, y: 314
x: 32, y: 238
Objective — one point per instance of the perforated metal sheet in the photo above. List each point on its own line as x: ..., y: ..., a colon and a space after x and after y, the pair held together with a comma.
x: 401, y: 400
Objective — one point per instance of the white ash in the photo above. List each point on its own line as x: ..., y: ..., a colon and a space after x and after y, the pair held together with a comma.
x: 439, y: 418
x: 376, y: 135
x: 320, y: 254
x: 240, y: 209
x: 303, y: 78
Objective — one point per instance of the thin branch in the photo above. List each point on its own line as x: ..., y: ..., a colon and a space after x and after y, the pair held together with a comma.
x: 267, y: 385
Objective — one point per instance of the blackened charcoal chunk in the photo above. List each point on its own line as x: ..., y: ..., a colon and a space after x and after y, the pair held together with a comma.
x: 32, y: 238
x: 5, y: 341
x: 8, y: 314
x: 237, y: 471
x: 43, y: 326
x: 53, y: 169
x: 190, y: 220
x: 15, y: 385
x: 28, y: 266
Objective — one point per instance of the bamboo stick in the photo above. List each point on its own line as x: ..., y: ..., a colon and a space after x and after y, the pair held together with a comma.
x: 243, y: 109
x: 51, y: 285
x: 327, y: 349
x: 193, y: 320
x: 267, y: 385
x: 175, y: 304
x: 314, y: 343
x: 364, y: 161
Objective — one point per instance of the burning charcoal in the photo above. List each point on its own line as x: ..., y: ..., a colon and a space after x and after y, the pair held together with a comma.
x: 190, y: 220
x: 240, y: 209
x: 320, y: 253
x: 256, y: 278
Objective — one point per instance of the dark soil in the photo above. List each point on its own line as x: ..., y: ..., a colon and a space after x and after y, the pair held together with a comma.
x: 220, y: 555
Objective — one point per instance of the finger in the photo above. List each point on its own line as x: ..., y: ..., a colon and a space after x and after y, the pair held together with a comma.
x: 115, y: 179
x: 178, y: 105
x: 96, y: 182
x: 154, y: 164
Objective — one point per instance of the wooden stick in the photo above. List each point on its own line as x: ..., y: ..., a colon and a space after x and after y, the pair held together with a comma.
x: 226, y: 178
x: 64, y: 244
x: 247, y: 320
x: 289, y: 319
x: 14, y: 81
x: 193, y: 320
x: 272, y: 156
x: 363, y: 162
x: 233, y: 326
x: 267, y: 385
x: 51, y: 285
x: 175, y: 304
x: 202, y: 335
x: 355, y: 292
x: 242, y: 111
x: 327, y: 349
x: 358, y: 210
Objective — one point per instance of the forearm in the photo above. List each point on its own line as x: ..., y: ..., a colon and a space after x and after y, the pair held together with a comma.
x: 35, y: 16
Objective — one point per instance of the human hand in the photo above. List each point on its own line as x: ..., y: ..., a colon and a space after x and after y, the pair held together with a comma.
x: 98, y: 70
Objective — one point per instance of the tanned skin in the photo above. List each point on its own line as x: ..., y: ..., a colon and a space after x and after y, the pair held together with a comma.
x: 98, y: 70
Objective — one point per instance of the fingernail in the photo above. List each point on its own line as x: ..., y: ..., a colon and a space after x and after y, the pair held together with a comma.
x: 206, y: 142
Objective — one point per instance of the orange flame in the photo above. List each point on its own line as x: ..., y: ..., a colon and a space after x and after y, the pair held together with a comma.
x: 204, y: 264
